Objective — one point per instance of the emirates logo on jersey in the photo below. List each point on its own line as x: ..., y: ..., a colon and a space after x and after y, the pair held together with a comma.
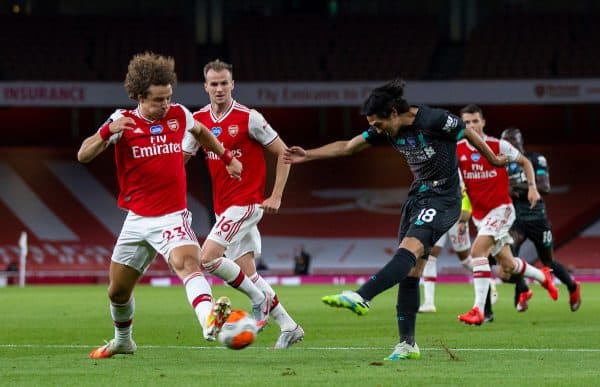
x: 233, y: 130
x: 173, y: 124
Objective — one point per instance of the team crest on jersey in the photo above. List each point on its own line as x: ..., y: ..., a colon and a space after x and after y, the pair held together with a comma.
x: 475, y: 157
x: 156, y: 129
x: 233, y: 130
x: 216, y: 130
x: 173, y: 124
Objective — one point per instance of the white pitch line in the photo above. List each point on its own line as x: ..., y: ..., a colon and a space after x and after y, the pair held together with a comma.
x: 58, y: 346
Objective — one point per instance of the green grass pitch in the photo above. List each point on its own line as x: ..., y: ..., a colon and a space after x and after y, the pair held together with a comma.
x: 47, y: 332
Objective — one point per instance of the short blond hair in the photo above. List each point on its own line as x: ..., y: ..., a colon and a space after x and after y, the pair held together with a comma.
x: 218, y: 65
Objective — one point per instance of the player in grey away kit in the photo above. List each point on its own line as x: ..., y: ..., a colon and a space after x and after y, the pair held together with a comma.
x: 533, y: 223
x: 427, y: 138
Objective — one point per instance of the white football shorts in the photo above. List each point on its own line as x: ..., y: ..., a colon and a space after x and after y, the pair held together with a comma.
x: 236, y: 229
x: 142, y: 237
x: 460, y: 241
x: 496, y: 224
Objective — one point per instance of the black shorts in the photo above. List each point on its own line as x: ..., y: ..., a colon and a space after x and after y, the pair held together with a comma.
x: 428, y: 218
x: 539, y: 231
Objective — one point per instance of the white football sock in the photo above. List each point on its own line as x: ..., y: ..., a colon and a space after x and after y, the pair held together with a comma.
x: 122, y: 315
x: 199, y: 296
x: 231, y: 273
x: 278, y: 312
x: 525, y: 269
x: 429, y: 280
x: 481, y: 281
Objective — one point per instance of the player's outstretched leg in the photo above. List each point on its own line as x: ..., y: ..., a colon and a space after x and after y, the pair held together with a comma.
x: 291, y: 331
x: 349, y: 300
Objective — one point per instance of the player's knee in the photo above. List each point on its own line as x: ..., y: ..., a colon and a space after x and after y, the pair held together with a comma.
x: 119, y: 294
x: 184, y: 264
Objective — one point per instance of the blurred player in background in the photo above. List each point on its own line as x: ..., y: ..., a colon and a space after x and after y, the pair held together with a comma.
x: 427, y: 138
x: 493, y: 213
x: 533, y: 223
x: 152, y: 183
x: 239, y: 204
x: 461, y: 244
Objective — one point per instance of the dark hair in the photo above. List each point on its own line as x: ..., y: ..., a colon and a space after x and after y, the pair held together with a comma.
x: 149, y: 69
x: 472, y: 109
x: 514, y: 131
x: 386, y: 98
x: 218, y: 65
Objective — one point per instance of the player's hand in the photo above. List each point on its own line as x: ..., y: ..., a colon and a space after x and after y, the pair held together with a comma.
x: 499, y: 161
x: 121, y: 124
x: 462, y: 227
x: 533, y: 196
x: 235, y: 169
x: 271, y: 205
x: 294, y: 155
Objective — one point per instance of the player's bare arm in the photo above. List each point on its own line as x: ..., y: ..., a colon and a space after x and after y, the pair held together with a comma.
x: 296, y: 154
x: 478, y: 142
x: 282, y: 170
x: 543, y: 183
x: 210, y: 142
x: 532, y: 194
x: 98, y: 142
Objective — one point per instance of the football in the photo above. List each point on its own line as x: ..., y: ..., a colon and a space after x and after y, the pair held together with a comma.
x: 238, y: 331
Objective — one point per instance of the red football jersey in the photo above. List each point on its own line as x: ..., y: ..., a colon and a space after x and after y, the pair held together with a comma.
x: 487, y: 185
x: 245, y: 132
x: 150, y: 169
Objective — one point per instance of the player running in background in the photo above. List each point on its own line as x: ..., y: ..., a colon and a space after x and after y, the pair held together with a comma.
x: 461, y: 244
x: 239, y: 204
x: 152, y: 184
x: 427, y: 138
x: 533, y: 223
x: 493, y: 213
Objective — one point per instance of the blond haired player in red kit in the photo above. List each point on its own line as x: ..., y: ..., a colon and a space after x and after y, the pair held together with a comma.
x: 239, y: 204
x: 152, y: 184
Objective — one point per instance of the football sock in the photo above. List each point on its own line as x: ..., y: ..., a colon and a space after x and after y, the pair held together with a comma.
x: 429, y: 279
x: 122, y: 315
x: 481, y: 280
x: 563, y: 275
x: 278, y: 312
x: 231, y: 273
x: 391, y: 274
x: 407, y: 307
x: 199, y: 296
x: 525, y: 269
